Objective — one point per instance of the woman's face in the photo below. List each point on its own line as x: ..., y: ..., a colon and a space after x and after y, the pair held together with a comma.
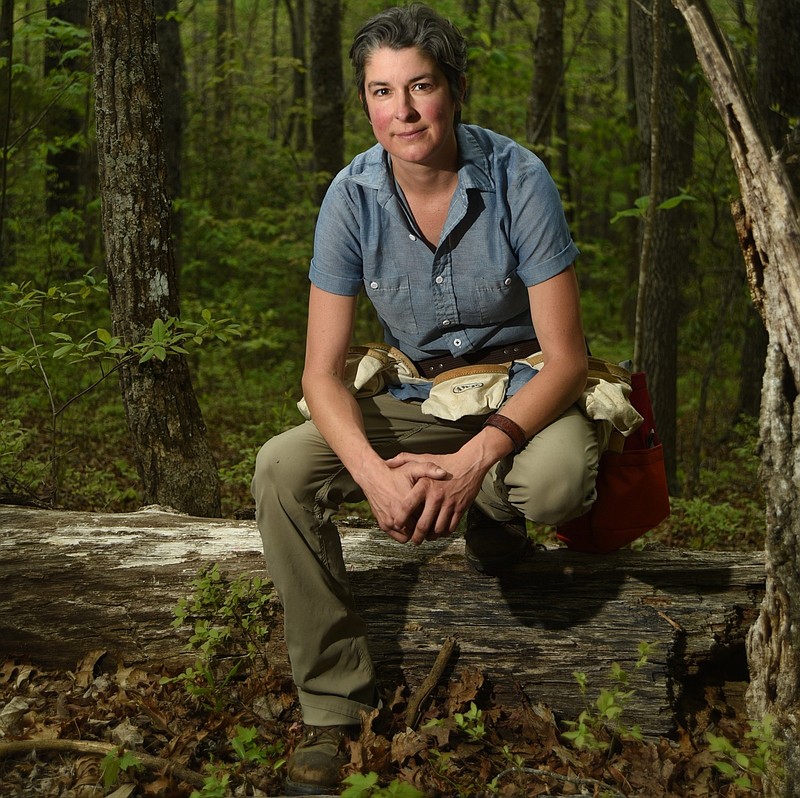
x: 411, y: 108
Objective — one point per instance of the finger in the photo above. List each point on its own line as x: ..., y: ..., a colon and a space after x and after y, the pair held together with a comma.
x: 428, y: 471
x: 426, y: 525
x: 401, y: 536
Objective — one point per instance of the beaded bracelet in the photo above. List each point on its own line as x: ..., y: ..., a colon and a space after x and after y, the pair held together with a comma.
x: 510, y: 428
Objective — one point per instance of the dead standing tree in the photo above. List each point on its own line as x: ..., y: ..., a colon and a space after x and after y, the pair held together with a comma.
x: 768, y: 223
x: 174, y: 461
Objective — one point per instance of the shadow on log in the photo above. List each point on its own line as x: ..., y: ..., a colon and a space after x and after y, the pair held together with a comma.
x: 74, y: 582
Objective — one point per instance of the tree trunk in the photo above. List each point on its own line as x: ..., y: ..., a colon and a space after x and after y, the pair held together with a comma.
x: 78, y: 582
x: 546, y: 84
x: 297, y: 128
x: 670, y: 243
x: 768, y: 222
x: 327, y: 91
x: 6, y: 105
x: 66, y: 162
x: 173, y: 88
x: 168, y: 435
x: 778, y: 99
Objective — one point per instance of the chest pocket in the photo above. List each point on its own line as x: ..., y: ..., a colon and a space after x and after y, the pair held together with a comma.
x: 391, y: 298
x: 501, y: 299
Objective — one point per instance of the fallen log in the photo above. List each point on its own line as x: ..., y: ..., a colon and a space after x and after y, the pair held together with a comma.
x: 74, y: 582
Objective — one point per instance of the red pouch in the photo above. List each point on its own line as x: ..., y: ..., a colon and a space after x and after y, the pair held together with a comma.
x: 632, y: 495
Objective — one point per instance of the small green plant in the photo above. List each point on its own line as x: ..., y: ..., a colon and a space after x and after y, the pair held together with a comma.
x: 116, y: 762
x: 231, y: 622
x: 47, y: 339
x: 747, y: 770
x: 248, y: 750
x: 471, y: 722
x: 215, y: 785
x: 601, y: 722
x: 365, y: 785
x: 641, y: 204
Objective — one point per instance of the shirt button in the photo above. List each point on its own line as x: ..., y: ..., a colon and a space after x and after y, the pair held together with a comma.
x: 412, y: 236
x: 508, y: 281
x: 457, y: 342
x: 446, y: 323
x: 373, y: 284
x: 440, y: 279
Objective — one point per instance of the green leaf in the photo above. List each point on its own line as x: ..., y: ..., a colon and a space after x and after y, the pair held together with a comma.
x: 673, y: 202
x: 159, y: 330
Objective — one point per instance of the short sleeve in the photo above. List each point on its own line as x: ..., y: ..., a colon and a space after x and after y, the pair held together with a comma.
x: 539, y: 230
x: 337, y: 263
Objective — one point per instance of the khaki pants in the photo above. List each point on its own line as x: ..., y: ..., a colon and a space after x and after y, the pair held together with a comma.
x: 298, y: 486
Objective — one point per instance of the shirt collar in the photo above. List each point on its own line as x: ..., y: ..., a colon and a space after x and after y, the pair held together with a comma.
x: 474, y: 171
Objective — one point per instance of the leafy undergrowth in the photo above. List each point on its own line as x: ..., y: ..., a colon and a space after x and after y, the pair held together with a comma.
x: 153, y: 738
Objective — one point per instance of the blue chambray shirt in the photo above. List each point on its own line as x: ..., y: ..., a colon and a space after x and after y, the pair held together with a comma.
x: 505, y: 230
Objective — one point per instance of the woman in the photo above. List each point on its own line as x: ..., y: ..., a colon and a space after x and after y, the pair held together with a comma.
x: 458, y: 237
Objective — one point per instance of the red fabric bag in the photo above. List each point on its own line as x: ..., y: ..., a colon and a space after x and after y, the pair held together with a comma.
x: 632, y: 495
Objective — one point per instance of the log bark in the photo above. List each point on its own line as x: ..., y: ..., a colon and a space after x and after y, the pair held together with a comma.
x: 75, y: 582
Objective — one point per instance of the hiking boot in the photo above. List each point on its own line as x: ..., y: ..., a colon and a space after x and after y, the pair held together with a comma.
x: 313, y: 768
x: 492, y: 546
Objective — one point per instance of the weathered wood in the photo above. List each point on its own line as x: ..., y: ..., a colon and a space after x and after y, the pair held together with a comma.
x: 73, y: 582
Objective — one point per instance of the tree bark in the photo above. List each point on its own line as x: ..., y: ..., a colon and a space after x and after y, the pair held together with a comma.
x: 78, y: 582
x: 670, y: 242
x: 768, y: 222
x: 174, y: 461
x: 547, y: 80
x: 778, y: 99
x: 327, y: 91
x: 172, y: 71
x: 297, y: 127
x: 6, y: 106
x: 66, y: 162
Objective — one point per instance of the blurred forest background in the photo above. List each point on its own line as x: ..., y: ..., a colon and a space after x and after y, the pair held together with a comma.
x: 571, y: 79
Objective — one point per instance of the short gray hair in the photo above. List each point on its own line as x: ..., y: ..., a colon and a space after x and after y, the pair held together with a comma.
x: 412, y: 26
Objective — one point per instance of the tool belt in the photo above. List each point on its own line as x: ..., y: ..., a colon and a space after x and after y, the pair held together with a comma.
x: 434, y: 366
x: 476, y: 384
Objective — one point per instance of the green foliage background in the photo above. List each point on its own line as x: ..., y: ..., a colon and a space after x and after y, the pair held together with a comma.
x: 247, y: 218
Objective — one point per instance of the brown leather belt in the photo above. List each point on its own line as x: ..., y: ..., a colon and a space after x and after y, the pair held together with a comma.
x: 433, y: 366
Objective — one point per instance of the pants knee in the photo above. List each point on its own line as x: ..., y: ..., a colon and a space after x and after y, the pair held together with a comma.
x: 558, y: 493
x: 279, y: 468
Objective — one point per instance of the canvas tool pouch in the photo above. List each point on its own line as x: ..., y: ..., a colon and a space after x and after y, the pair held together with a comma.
x: 467, y: 391
x: 370, y: 368
x: 606, y: 398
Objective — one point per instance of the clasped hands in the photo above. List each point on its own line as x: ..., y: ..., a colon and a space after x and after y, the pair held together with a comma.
x: 419, y: 497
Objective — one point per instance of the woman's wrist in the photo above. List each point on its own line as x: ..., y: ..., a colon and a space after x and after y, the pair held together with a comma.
x: 510, y: 429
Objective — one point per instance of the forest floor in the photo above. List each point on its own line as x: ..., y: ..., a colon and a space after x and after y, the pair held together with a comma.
x: 56, y: 727
x: 210, y: 732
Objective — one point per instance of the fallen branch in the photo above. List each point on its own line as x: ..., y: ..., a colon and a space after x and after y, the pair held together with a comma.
x: 154, y: 763
x: 429, y: 682
x: 578, y: 782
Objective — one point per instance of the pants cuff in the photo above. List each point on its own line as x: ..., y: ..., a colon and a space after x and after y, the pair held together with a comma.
x: 332, y: 710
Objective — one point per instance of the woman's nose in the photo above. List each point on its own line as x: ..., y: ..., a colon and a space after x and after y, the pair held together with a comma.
x: 404, y: 108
